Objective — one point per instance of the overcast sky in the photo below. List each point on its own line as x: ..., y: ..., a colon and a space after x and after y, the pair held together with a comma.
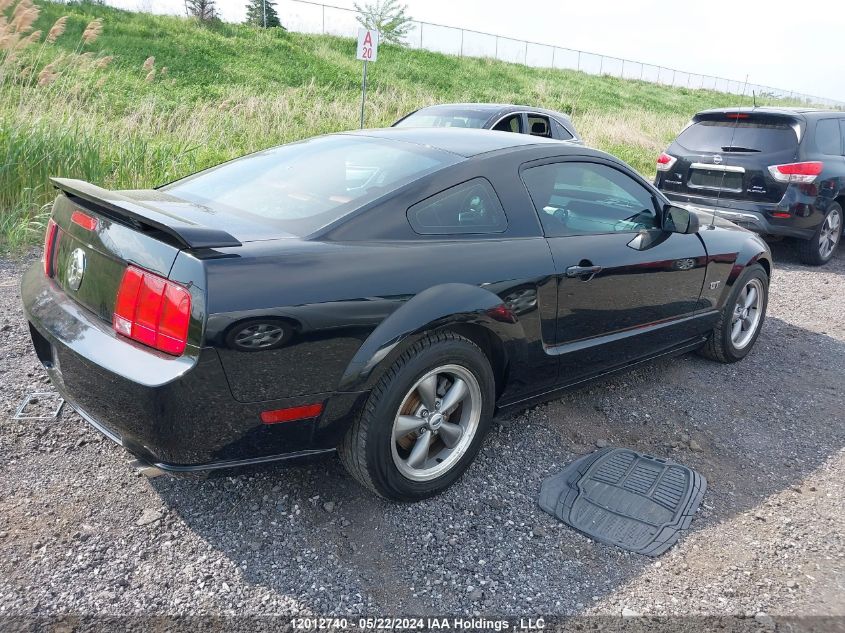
x: 792, y: 46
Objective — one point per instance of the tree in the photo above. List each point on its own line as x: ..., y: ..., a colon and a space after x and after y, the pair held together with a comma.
x: 387, y: 17
x: 262, y: 13
x: 203, y: 10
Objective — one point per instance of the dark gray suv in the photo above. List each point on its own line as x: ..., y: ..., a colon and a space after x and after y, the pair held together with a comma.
x: 775, y: 171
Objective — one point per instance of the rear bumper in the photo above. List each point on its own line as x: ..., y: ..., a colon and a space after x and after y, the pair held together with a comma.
x: 175, y: 413
x: 803, y: 223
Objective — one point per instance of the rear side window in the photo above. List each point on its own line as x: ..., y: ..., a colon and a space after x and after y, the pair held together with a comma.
x: 842, y: 132
x: 538, y: 125
x: 828, y: 137
x: 561, y: 132
x: 471, y: 207
x: 738, y: 136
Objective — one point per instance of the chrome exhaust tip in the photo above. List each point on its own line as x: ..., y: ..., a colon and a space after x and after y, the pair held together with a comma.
x: 146, y: 469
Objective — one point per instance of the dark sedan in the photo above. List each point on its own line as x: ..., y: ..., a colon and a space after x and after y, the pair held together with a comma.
x: 383, y: 292
x: 495, y: 116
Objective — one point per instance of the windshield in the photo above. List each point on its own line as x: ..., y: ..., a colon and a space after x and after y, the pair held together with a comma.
x: 738, y: 136
x: 301, y: 187
x: 443, y: 117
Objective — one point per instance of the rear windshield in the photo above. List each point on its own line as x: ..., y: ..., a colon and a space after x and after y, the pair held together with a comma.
x: 738, y: 136
x: 301, y: 187
x: 445, y: 118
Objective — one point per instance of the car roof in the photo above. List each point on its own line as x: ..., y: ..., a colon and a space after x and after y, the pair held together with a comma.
x: 491, y: 108
x: 466, y: 142
x: 790, y: 111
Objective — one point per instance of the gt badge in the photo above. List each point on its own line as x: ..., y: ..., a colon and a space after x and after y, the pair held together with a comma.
x: 714, y: 284
x: 75, y: 268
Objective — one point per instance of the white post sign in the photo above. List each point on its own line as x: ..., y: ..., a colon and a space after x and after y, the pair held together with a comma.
x: 367, y: 52
x: 367, y: 45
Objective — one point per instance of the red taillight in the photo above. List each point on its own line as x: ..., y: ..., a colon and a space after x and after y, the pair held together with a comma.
x: 737, y: 115
x: 84, y: 220
x: 153, y: 311
x: 781, y: 214
x: 292, y: 414
x: 797, y: 172
x: 49, y: 246
x: 665, y: 162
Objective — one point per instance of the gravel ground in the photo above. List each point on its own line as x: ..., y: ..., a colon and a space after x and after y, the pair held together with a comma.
x: 80, y: 533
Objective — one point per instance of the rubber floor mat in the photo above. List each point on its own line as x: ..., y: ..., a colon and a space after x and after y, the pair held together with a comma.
x: 618, y: 496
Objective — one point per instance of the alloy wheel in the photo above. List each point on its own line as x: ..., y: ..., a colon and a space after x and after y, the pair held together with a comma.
x: 259, y: 336
x: 831, y: 231
x: 747, y: 314
x: 436, y: 423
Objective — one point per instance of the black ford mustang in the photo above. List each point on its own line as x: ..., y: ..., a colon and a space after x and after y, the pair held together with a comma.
x: 385, y: 292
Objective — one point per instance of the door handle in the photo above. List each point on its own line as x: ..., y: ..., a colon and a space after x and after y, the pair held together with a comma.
x: 584, y: 272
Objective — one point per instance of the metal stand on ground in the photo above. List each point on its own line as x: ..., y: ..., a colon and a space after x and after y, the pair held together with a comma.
x: 363, y: 93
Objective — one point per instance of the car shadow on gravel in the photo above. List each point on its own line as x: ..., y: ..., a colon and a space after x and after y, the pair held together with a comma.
x: 785, y: 256
x: 306, y: 530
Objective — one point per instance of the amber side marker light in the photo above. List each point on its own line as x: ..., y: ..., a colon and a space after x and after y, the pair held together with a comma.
x: 291, y: 414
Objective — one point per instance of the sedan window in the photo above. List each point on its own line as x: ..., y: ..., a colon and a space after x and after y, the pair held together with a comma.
x: 445, y: 117
x: 538, y: 125
x: 471, y: 207
x: 588, y: 198
x: 561, y: 132
x: 512, y: 123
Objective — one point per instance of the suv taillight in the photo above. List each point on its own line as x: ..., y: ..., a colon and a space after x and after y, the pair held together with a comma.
x: 797, y: 172
x: 49, y: 246
x: 152, y: 310
x: 665, y: 162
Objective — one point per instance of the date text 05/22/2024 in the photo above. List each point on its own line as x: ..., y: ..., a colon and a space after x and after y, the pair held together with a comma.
x: 417, y: 624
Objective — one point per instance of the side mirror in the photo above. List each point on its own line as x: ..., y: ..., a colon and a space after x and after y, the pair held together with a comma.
x: 679, y: 220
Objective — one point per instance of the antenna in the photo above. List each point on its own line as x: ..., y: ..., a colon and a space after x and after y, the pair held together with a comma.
x: 733, y: 134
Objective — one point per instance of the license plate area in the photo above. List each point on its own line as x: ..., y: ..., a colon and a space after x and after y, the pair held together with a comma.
x: 716, y: 180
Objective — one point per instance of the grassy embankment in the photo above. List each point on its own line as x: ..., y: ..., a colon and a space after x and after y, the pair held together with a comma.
x: 86, y: 105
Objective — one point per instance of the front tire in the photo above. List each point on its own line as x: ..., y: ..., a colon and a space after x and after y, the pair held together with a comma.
x: 820, y: 249
x: 741, y: 318
x: 424, y: 421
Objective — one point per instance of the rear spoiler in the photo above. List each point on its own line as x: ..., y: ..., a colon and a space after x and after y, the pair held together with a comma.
x: 747, y: 114
x: 112, y: 203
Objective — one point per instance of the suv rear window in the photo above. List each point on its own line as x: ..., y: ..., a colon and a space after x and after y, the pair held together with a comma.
x: 738, y: 136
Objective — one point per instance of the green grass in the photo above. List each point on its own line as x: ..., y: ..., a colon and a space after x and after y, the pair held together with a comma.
x: 232, y: 89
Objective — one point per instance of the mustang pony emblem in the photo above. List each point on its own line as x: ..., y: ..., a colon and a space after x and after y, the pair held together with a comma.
x: 75, y: 268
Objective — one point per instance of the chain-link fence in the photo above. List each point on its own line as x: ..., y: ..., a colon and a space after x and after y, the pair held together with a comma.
x: 311, y: 17
x: 305, y: 16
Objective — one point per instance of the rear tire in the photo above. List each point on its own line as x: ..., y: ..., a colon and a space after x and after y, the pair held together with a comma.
x: 731, y: 340
x: 401, y: 450
x: 820, y: 249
